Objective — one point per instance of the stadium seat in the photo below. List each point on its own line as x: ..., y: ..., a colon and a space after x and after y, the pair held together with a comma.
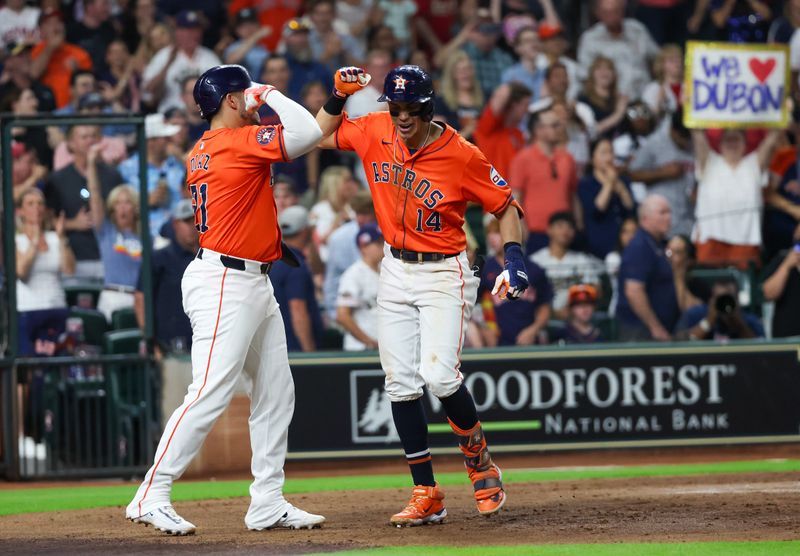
x: 331, y: 339
x: 83, y: 295
x: 122, y: 319
x: 607, y: 326
x: 94, y: 324
x: 606, y: 292
x: 554, y: 326
x: 119, y: 342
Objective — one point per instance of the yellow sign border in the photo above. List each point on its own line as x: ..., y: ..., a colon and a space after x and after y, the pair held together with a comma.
x: 691, y: 122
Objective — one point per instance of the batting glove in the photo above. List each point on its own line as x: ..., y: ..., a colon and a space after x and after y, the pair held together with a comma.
x: 349, y: 80
x: 513, y: 281
x: 256, y: 95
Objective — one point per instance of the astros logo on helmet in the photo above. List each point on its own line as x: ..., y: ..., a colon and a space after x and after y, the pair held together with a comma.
x: 409, y: 84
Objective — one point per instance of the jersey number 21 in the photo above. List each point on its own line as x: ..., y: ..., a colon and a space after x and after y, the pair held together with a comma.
x: 199, y: 198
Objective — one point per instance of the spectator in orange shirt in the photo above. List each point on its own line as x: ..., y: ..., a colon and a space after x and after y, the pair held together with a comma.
x: 498, y: 134
x: 544, y: 176
x: 53, y: 59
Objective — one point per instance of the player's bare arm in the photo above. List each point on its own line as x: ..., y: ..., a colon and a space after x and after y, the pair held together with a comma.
x: 347, y: 80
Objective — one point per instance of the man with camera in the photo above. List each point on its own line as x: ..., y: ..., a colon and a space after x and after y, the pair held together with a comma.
x: 721, y: 318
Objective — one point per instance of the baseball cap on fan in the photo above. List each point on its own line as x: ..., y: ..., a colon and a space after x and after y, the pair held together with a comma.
x: 183, y: 210
x: 581, y: 293
x: 293, y: 220
x: 367, y: 234
x: 155, y: 125
x: 246, y: 15
x: 550, y: 30
x: 296, y: 25
x: 188, y: 19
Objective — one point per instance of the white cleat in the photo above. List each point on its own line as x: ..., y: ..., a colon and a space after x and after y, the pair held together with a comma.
x: 295, y: 518
x: 165, y: 519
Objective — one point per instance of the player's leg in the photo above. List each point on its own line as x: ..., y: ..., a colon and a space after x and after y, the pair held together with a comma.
x: 398, y: 339
x: 224, y: 310
x: 446, y: 301
x: 271, y: 410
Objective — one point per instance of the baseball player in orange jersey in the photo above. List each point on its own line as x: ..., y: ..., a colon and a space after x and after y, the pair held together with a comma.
x: 236, y: 324
x: 422, y: 174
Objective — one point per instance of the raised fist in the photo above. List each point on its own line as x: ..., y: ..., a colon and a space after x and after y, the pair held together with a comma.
x: 349, y: 80
x: 256, y: 95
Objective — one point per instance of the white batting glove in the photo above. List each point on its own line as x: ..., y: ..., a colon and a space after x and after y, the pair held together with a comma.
x: 513, y: 281
x: 256, y: 95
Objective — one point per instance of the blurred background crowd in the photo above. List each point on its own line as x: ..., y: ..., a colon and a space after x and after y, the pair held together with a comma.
x: 637, y: 228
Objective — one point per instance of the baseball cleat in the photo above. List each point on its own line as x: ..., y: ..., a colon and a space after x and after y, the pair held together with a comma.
x: 165, y: 519
x: 295, y: 518
x: 425, y: 507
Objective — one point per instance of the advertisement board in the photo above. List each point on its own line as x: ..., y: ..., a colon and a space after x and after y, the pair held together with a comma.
x: 579, y: 398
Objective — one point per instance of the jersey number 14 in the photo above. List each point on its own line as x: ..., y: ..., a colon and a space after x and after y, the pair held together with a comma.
x: 199, y: 198
x: 432, y: 224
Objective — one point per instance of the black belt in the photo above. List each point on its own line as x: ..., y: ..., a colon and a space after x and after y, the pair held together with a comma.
x: 416, y: 257
x: 236, y: 264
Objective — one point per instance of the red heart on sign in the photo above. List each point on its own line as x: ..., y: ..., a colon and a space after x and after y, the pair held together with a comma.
x: 762, y: 69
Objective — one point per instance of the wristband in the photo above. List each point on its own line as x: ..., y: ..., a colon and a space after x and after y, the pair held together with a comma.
x: 704, y: 325
x: 335, y: 105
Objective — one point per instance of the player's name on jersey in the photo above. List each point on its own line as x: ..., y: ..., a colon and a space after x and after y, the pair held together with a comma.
x: 408, y: 180
x: 199, y: 162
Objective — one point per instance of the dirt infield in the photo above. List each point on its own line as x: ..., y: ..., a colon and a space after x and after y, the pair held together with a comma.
x: 712, y: 508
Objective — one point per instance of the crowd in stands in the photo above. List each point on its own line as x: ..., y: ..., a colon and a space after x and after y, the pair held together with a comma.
x: 637, y: 228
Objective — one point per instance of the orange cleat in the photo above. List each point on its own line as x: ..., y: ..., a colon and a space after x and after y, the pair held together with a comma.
x: 425, y: 506
x: 486, y: 477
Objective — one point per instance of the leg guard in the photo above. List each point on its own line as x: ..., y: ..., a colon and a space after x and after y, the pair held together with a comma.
x: 484, y: 474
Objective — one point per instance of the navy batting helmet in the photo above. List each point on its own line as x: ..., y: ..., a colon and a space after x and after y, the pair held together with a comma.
x: 217, y: 82
x: 409, y: 84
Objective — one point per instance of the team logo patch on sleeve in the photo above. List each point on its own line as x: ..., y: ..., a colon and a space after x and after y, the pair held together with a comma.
x: 265, y: 135
x: 496, y: 178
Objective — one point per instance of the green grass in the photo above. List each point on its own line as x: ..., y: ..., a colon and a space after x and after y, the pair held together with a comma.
x: 83, y: 495
x: 776, y: 548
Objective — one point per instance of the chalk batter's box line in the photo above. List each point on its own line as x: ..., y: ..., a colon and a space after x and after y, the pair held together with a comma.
x: 691, y: 122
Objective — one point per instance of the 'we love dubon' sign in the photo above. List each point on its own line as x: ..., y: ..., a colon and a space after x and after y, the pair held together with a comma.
x: 735, y: 85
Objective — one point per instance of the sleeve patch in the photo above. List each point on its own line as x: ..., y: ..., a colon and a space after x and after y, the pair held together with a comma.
x: 265, y: 135
x: 496, y: 178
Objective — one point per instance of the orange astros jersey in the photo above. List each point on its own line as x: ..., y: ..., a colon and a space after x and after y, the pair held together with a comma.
x: 420, y: 198
x: 228, y: 174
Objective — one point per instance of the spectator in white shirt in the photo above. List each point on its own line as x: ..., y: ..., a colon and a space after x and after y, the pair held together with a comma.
x: 42, y: 256
x: 663, y: 94
x: 343, y: 250
x: 563, y: 266
x: 163, y: 76
x: 729, y: 203
x: 625, y: 41
x: 337, y: 188
x: 357, y: 302
x: 18, y: 23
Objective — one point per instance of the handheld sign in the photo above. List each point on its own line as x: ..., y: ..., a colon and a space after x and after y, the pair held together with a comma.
x: 736, y: 85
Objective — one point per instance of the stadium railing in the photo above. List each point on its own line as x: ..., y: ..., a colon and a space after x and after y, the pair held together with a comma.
x: 73, y: 416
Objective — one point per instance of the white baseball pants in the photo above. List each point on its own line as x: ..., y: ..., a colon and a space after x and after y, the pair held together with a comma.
x: 236, y: 325
x: 423, y: 312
